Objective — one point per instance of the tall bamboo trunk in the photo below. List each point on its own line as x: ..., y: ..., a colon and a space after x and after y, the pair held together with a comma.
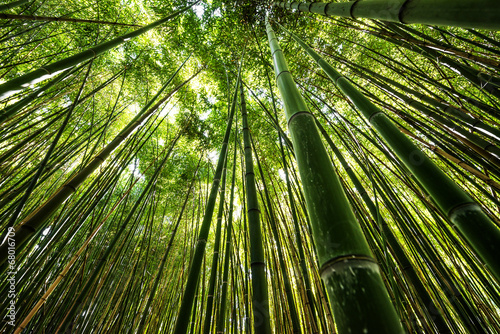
x: 351, y: 275
x: 260, y: 300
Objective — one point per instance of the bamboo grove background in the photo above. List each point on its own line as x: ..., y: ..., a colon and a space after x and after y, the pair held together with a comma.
x: 156, y: 115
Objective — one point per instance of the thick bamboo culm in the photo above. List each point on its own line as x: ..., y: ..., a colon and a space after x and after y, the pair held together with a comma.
x: 342, y: 249
x: 461, y: 13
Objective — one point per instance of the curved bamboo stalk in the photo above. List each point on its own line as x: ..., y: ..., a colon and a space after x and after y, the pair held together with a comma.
x: 75, y: 257
x: 459, y: 162
x: 43, y: 163
x: 183, y: 319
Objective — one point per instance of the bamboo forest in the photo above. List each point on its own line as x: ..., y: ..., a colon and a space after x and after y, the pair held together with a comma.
x: 250, y: 166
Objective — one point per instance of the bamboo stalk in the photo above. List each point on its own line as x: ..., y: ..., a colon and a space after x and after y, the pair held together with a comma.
x: 68, y: 266
x: 260, y: 288
x: 460, y: 13
x: 348, y: 269
x: 185, y: 311
x: 13, y: 4
x: 220, y: 323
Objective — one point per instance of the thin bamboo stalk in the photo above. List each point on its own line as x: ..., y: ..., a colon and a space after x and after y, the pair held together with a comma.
x: 185, y: 311
x: 207, y: 326
x: 14, y: 4
x: 220, y: 323
x: 260, y: 299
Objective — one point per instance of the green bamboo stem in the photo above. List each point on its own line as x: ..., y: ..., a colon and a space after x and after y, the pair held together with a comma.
x: 416, y: 237
x: 220, y: 323
x: 481, y: 45
x: 48, y: 154
x: 215, y: 257
x: 348, y: 269
x: 34, y: 221
x: 454, y: 128
x: 460, y: 13
x: 260, y: 301
x: 48, y: 71
x: 457, y: 161
x: 11, y: 110
x: 63, y: 273
x: 433, y: 44
x: 185, y: 311
x: 361, y: 164
x: 310, y: 300
x: 146, y: 313
x: 293, y: 315
x: 427, y: 303
x: 456, y: 300
x: 481, y: 80
x: 246, y: 267
x: 475, y: 125
x: 14, y: 108
x: 461, y: 210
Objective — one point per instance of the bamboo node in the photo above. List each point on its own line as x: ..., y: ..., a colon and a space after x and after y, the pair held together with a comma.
x: 342, y: 262
x: 351, y: 9
x: 461, y: 209
x: 401, y: 10
x: 280, y: 74
x: 297, y: 114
